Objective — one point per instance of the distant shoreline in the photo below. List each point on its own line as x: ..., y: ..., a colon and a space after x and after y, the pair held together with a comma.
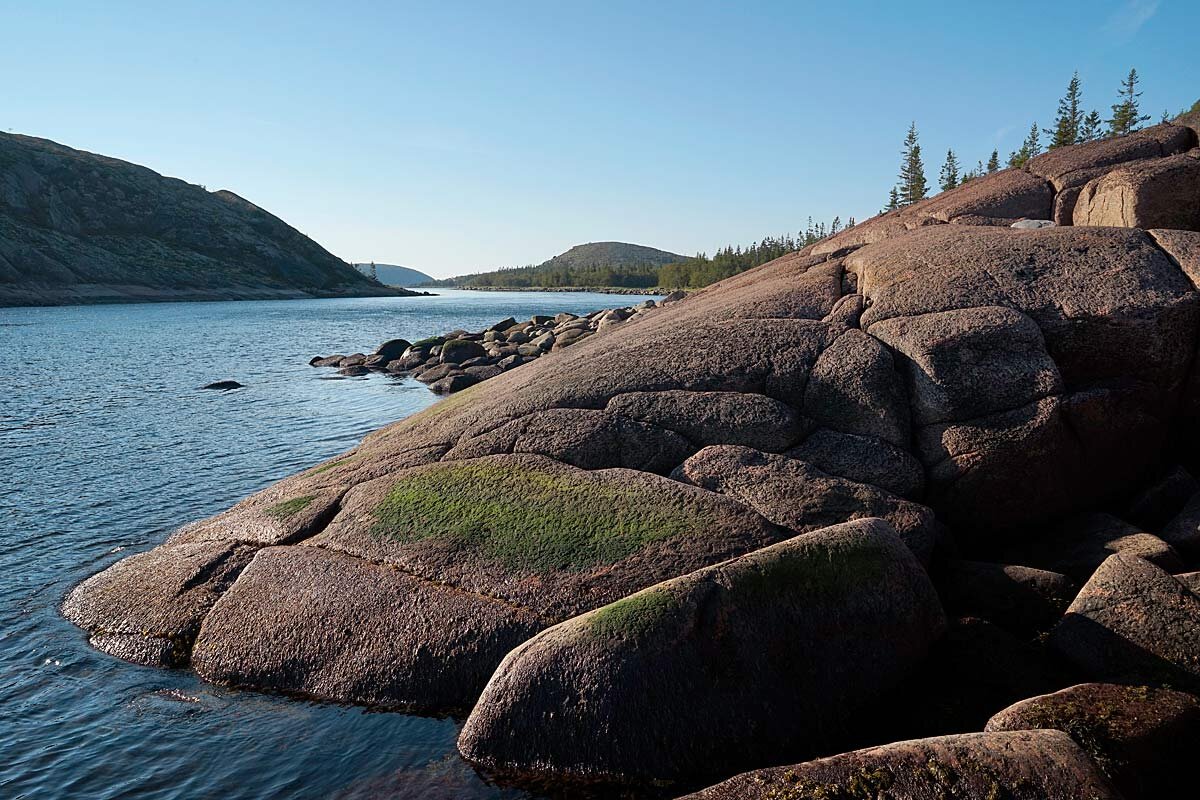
x: 34, y: 296
x: 656, y: 290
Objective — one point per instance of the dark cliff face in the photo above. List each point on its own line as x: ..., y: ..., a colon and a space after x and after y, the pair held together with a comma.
x: 79, y: 227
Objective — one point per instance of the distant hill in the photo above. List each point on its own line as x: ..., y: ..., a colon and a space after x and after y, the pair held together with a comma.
x: 591, y: 264
x: 76, y: 227
x: 393, y: 275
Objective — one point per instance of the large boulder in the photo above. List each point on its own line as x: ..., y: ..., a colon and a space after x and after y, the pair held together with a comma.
x: 752, y: 661
x: 1015, y: 765
x: 1133, y: 622
x: 1157, y: 194
x: 798, y: 496
x: 282, y: 627
x: 853, y: 389
x: 1140, y: 737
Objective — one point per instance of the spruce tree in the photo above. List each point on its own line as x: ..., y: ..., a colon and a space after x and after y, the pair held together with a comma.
x: 1127, y: 117
x: 913, y: 186
x: 1070, y: 117
x: 949, y: 174
x: 1091, y: 128
x: 1029, y: 148
x: 993, y: 162
x: 893, y: 200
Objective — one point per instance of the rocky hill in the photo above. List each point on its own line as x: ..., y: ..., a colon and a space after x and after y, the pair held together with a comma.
x: 591, y: 264
x: 77, y: 227
x: 393, y: 275
x: 928, y: 482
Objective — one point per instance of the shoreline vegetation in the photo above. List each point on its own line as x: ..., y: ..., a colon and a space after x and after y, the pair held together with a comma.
x: 630, y: 290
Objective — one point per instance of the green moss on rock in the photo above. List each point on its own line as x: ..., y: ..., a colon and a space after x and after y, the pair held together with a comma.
x: 633, y: 616
x: 289, y: 507
x: 532, y: 519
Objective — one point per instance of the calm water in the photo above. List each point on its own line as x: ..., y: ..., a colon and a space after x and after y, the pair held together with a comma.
x: 107, y: 445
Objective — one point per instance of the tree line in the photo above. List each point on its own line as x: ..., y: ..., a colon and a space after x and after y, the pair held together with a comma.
x: 690, y: 273
x: 1071, y: 126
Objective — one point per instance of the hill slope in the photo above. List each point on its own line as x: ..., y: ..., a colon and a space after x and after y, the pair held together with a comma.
x: 76, y: 227
x: 394, y: 275
x: 591, y: 264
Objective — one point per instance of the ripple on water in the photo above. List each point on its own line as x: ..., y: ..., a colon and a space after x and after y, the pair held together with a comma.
x: 112, y: 447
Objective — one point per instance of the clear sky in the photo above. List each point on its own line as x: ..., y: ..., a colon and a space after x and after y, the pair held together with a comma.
x: 452, y: 136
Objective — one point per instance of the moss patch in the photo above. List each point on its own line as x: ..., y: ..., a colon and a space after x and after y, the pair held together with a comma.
x: 633, y: 616
x: 829, y: 572
x: 531, y: 519
x: 289, y: 507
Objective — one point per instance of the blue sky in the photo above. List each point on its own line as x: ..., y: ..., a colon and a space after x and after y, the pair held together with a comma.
x: 452, y: 137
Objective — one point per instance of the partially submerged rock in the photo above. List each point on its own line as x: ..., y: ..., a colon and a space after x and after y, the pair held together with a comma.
x: 808, y: 632
x: 1019, y: 765
x: 147, y: 608
x: 282, y: 627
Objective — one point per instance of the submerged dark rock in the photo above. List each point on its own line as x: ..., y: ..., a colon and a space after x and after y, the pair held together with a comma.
x: 223, y: 386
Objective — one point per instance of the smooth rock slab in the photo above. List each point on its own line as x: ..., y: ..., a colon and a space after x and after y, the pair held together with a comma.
x: 761, y: 658
x: 303, y: 620
x: 1143, y: 738
x: 147, y: 608
x: 1017, y: 765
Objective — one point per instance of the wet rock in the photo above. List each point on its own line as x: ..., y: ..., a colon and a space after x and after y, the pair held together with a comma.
x: 356, y: 360
x: 454, y: 382
x: 768, y: 631
x: 457, y: 351
x: 1017, y: 765
x: 355, y: 371
x: 392, y: 349
x: 147, y: 608
x: 1133, y: 622
x: 327, y: 361
x: 1142, y: 738
x: 223, y: 386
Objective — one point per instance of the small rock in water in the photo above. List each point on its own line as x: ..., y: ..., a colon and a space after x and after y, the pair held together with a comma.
x: 223, y: 386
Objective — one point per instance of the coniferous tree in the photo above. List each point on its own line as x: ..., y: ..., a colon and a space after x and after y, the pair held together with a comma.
x: 1127, y: 117
x: 1029, y: 148
x: 893, y: 200
x: 993, y: 162
x: 913, y: 186
x: 1070, y: 117
x: 949, y: 175
x: 1090, y: 131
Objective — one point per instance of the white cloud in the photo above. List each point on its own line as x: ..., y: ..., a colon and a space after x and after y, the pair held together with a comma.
x: 1126, y: 21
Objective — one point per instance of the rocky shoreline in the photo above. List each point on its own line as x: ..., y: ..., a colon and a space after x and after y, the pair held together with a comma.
x: 458, y: 359
x: 911, y: 513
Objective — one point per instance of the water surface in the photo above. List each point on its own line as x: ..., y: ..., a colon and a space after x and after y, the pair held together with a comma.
x: 108, y: 445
